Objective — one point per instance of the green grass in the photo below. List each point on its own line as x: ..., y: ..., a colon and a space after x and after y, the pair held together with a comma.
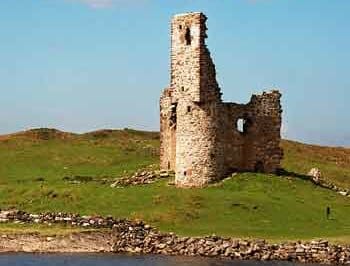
x: 45, y: 230
x: 334, y: 163
x: 24, y: 158
x: 247, y: 205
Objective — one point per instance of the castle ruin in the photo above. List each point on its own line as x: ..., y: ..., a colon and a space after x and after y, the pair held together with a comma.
x: 204, y: 139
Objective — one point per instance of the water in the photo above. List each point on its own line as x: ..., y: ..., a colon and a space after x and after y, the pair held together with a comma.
x: 123, y: 260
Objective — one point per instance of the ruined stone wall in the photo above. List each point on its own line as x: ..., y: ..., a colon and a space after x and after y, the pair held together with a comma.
x: 264, y: 153
x: 168, y: 130
x: 199, y: 137
x: 186, y: 34
x: 257, y: 148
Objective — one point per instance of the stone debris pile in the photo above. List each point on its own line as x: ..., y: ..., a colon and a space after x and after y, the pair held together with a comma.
x: 140, y: 178
x: 315, y: 174
x: 49, y: 218
x: 316, y: 177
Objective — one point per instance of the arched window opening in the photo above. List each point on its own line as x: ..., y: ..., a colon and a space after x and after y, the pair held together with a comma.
x: 173, y: 115
x: 188, y: 36
x: 242, y: 125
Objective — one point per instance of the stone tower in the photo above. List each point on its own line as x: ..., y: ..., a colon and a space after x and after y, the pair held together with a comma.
x: 199, y: 138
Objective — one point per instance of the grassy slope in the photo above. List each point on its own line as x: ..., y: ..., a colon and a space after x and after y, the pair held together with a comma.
x: 249, y: 205
x: 334, y: 162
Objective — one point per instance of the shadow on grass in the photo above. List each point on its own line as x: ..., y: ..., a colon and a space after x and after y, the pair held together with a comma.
x: 283, y: 172
x: 322, y: 183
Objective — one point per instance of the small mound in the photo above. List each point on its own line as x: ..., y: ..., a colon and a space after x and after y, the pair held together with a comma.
x: 102, y: 133
x: 40, y: 134
x: 120, y: 134
x: 48, y: 134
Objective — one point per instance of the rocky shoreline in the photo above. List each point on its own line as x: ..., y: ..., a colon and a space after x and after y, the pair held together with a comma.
x: 145, y: 241
x: 136, y: 237
x: 82, y: 242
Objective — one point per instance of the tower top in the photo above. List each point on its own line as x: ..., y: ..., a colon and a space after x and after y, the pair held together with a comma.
x: 188, y: 14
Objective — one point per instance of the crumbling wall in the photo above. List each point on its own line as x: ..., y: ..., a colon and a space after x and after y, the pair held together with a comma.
x: 186, y: 33
x: 168, y: 117
x: 200, y: 140
x: 256, y: 146
x: 264, y: 153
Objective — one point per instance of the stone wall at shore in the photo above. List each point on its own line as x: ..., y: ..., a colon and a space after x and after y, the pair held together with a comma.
x: 139, y: 238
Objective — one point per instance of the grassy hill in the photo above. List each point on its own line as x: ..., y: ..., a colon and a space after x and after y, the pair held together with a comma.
x: 34, y: 166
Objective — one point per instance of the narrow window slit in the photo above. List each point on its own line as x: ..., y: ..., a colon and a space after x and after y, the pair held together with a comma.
x: 188, y: 36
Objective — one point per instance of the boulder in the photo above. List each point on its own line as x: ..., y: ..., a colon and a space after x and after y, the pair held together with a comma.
x: 315, y: 174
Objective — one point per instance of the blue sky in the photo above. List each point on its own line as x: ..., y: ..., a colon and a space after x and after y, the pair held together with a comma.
x: 80, y: 65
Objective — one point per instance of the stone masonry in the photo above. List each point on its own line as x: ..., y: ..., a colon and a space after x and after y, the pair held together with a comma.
x: 204, y: 139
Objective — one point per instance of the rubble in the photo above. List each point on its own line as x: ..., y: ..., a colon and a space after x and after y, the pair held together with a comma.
x: 142, y: 177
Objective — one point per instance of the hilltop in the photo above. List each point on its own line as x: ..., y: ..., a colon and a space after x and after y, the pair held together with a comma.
x: 35, y: 165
